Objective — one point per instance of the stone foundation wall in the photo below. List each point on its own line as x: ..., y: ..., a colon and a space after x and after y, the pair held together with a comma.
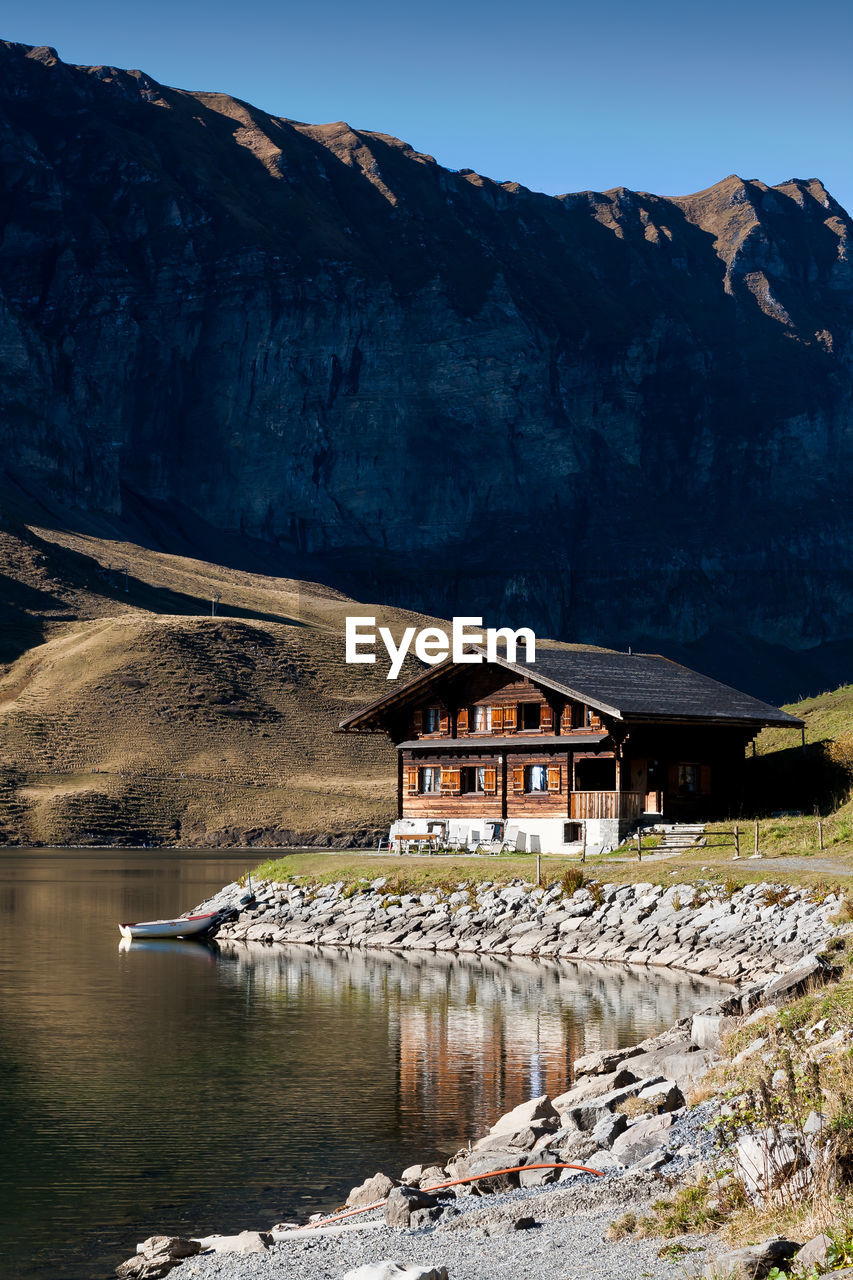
x: 752, y: 934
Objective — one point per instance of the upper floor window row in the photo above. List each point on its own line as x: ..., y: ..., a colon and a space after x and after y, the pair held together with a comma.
x: 522, y: 717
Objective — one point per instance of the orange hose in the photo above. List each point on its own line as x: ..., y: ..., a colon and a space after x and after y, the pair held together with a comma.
x: 442, y: 1186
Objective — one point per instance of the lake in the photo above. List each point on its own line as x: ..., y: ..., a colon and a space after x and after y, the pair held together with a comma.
x: 186, y: 1088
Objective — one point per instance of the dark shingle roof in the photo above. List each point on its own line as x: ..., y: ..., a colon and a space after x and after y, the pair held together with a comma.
x: 631, y: 686
x: 647, y: 685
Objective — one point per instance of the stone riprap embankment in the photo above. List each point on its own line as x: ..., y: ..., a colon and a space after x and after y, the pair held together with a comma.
x: 755, y: 932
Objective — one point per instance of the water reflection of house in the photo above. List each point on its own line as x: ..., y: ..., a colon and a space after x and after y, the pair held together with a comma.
x: 468, y: 1057
x: 580, y: 745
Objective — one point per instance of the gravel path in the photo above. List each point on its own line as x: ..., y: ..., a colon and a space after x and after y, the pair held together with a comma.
x: 482, y: 1243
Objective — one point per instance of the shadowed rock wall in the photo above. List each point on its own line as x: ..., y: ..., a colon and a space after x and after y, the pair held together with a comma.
x: 615, y: 417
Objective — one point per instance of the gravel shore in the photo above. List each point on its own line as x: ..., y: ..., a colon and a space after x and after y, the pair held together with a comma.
x: 557, y: 1231
x: 482, y: 1243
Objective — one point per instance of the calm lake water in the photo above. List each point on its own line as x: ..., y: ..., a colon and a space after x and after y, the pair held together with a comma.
x: 183, y: 1088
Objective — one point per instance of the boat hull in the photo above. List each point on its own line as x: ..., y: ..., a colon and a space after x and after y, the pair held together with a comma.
x: 187, y: 927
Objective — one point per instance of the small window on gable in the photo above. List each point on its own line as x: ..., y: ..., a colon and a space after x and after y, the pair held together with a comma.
x: 432, y: 719
x: 531, y: 715
x: 572, y: 833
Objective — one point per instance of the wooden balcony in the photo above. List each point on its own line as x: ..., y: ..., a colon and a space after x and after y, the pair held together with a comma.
x: 606, y: 804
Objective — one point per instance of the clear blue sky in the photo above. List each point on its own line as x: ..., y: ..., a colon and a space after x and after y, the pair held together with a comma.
x: 666, y: 96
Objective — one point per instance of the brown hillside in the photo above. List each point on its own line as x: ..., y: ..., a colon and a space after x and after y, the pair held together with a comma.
x: 130, y: 715
x: 135, y: 717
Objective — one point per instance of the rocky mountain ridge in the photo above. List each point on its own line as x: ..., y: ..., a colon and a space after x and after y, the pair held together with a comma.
x: 617, y: 417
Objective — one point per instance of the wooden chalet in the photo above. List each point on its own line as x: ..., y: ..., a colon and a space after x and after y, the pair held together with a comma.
x: 580, y: 746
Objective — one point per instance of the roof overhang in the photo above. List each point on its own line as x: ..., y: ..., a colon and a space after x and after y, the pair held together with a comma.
x: 516, y: 743
x: 360, y: 721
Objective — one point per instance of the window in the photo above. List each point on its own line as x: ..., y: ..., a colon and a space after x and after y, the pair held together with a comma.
x: 688, y: 779
x: 432, y: 719
x: 473, y: 779
x: 479, y: 780
x: 572, y: 833
x: 535, y: 778
x: 530, y: 715
x: 481, y: 719
x: 430, y: 780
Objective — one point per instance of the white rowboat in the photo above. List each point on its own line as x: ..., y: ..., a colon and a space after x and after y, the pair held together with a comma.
x: 184, y: 927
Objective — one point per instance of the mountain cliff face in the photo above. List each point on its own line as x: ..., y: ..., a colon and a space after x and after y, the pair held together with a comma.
x: 614, y: 416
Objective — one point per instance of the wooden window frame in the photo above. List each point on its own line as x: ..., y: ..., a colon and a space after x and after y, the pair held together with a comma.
x: 539, y: 791
x: 426, y: 717
x: 433, y: 791
x: 522, y: 715
x: 472, y: 720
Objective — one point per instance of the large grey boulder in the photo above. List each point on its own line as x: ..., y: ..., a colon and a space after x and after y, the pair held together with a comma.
x: 537, y: 1111
x: 244, y: 1242
x: 524, y: 1140
x: 371, y: 1190
x: 664, y: 1096
x: 806, y: 973
x: 813, y: 1254
x: 431, y: 1177
x: 609, y: 1128
x: 707, y: 1029
x: 586, y: 1115
x: 476, y: 1164
x: 402, y: 1202
x: 156, y: 1257
x: 587, y: 1087
x: 604, y: 1060
x: 753, y: 1263
x: 641, y: 1138
x: 768, y: 1158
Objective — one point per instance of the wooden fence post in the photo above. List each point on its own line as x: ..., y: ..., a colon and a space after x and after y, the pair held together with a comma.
x: 737, y: 841
x: 538, y: 868
x: 755, y: 845
x: 583, y: 849
x: 639, y: 846
x: 820, y: 834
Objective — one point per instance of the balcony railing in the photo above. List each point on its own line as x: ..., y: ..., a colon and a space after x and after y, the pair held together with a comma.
x: 607, y: 804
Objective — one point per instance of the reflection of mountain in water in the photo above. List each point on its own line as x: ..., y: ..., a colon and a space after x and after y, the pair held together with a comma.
x: 479, y: 1033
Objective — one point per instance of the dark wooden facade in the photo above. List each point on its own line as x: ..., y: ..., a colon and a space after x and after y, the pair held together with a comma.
x: 502, y: 743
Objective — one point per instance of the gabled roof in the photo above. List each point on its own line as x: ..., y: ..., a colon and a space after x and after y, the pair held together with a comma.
x: 627, y: 686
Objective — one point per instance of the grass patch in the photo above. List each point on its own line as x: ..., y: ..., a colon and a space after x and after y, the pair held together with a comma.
x: 411, y: 874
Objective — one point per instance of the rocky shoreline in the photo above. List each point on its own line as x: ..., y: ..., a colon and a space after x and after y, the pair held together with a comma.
x: 626, y: 1118
x: 703, y: 929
